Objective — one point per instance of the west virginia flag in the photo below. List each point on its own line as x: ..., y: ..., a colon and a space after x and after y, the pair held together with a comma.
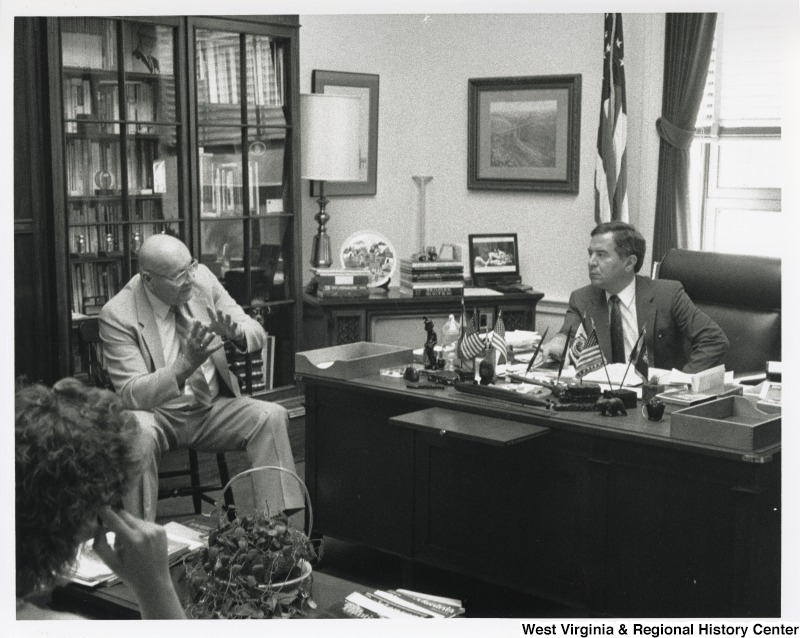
x: 611, y: 174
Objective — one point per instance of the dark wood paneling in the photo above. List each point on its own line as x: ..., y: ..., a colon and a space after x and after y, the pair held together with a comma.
x: 34, y: 320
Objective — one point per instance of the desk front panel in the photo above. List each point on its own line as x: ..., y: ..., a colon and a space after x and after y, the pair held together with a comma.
x: 624, y: 523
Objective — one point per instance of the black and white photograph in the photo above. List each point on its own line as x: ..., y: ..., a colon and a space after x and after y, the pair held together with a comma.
x: 409, y: 313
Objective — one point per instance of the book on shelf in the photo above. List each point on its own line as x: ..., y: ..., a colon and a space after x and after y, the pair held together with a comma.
x: 340, y: 276
x: 432, y: 289
x: 430, y: 275
x: 90, y: 570
x: 395, y: 603
x: 414, y: 264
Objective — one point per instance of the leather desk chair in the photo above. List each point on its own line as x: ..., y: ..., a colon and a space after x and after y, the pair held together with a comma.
x: 742, y: 294
x: 89, y: 332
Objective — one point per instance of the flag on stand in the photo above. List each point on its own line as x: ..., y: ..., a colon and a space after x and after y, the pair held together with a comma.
x: 471, y: 344
x: 589, y: 357
x: 642, y: 363
x: 610, y: 173
x: 499, y: 338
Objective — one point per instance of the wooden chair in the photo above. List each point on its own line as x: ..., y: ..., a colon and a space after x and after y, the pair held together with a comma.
x: 92, y: 347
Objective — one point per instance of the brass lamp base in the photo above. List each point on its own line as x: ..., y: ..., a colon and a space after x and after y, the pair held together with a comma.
x: 321, y: 248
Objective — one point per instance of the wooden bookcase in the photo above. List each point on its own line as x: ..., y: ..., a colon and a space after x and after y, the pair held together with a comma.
x: 152, y: 121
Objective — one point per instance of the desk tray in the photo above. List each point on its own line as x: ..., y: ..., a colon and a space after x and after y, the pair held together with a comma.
x: 732, y: 422
x: 351, y: 360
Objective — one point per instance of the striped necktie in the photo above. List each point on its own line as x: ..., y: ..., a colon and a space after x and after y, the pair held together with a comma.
x: 197, y: 381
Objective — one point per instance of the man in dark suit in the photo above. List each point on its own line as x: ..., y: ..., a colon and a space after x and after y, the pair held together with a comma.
x: 163, y: 335
x: 620, y: 303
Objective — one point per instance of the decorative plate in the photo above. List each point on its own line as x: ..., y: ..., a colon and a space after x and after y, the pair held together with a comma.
x: 368, y: 249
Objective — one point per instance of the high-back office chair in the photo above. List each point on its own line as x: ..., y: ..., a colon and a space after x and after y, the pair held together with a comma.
x: 89, y: 332
x: 742, y: 294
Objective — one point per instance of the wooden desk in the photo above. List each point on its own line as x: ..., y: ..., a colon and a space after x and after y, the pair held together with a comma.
x: 336, y: 321
x: 608, y: 514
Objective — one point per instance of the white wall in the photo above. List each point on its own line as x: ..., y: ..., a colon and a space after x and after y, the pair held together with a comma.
x: 424, y: 66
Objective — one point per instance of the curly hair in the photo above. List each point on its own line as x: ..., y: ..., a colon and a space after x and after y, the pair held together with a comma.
x: 74, y: 455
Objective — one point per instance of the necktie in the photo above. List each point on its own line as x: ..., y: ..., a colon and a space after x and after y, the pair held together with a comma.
x: 197, y: 381
x: 617, y: 337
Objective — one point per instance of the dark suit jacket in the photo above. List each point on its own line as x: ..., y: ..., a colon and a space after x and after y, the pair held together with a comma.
x: 678, y: 334
x: 132, y: 347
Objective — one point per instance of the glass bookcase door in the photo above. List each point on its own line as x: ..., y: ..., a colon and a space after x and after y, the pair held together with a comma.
x: 246, y: 218
x: 122, y: 150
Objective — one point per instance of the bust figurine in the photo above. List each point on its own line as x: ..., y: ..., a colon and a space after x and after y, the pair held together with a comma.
x: 430, y: 344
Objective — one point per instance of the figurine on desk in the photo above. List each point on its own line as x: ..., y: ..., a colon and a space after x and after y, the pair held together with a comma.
x: 430, y: 344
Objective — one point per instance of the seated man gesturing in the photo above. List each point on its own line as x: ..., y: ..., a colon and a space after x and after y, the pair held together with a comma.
x: 163, y: 336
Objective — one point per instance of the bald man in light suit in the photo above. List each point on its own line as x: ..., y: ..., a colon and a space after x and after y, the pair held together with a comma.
x: 163, y: 337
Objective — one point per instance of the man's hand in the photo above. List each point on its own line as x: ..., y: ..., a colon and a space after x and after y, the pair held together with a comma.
x: 199, y: 344
x: 551, y: 351
x: 139, y: 557
x: 225, y: 326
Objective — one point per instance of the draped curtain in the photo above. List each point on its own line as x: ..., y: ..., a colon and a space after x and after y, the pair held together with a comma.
x: 687, y: 51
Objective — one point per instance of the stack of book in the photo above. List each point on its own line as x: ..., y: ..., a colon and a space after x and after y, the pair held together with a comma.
x: 395, y: 603
x: 431, y: 278
x: 341, y: 282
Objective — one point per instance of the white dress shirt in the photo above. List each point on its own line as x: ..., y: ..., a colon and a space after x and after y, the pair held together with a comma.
x: 627, y: 310
x: 170, y: 341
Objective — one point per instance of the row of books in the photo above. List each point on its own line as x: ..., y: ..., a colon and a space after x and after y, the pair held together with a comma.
x: 88, y: 43
x: 262, y: 366
x: 218, y: 71
x: 140, y: 98
x: 396, y: 603
x: 431, y: 278
x: 86, y: 160
x: 341, y: 282
x: 93, y: 284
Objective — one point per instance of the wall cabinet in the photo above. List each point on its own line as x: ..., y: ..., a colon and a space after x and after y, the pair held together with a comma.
x: 175, y: 125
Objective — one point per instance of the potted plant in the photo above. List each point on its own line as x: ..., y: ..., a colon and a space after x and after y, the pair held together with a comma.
x: 652, y: 388
x: 255, y: 566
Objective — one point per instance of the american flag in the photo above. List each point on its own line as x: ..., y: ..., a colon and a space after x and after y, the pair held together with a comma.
x: 589, y: 356
x: 610, y: 174
x: 642, y: 362
x: 471, y: 344
x: 499, y: 338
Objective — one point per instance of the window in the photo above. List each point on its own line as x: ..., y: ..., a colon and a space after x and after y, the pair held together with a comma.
x: 736, y: 156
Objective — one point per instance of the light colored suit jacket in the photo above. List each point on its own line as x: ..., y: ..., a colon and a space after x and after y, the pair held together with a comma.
x: 679, y: 335
x: 132, y: 347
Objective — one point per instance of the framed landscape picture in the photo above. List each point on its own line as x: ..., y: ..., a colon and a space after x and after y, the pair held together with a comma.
x: 365, y: 87
x: 524, y: 133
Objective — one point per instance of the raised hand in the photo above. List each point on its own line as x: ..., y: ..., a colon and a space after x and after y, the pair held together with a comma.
x: 224, y: 325
x: 199, y: 343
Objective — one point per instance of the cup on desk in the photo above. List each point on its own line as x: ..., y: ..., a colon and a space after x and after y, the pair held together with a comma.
x: 653, y: 410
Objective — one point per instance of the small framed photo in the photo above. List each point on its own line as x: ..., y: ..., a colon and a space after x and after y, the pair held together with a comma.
x: 524, y: 133
x: 364, y: 86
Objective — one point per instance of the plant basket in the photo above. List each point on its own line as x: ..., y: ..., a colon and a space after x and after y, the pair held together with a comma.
x: 256, y: 565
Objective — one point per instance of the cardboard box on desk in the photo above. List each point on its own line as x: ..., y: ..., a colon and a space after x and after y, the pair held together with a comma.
x: 732, y: 422
x: 351, y: 360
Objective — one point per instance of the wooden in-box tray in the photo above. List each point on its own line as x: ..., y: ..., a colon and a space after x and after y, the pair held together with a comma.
x: 351, y: 360
x: 732, y: 422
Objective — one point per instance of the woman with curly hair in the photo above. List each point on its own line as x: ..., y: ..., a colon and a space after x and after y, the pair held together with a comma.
x: 74, y: 460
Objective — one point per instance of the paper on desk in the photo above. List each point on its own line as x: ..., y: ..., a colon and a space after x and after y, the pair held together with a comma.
x: 615, y: 372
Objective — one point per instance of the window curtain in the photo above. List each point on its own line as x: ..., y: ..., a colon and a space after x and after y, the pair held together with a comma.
x: 687, y: 51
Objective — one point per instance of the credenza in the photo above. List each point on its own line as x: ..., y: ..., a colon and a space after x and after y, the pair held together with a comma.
x: 609, y: 514
x: 337, y: 321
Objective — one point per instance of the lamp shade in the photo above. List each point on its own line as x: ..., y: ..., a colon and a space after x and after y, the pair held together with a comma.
x: 330, y: 137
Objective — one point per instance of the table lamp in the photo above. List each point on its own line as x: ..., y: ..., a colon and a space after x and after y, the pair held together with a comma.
x: 329, y: 153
